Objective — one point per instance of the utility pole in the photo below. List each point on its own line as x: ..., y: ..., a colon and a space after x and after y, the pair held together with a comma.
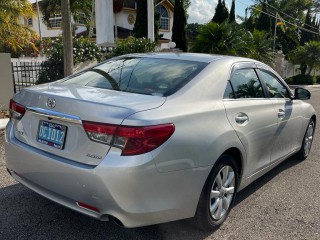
x: 274, y: 37
x: 67, y: 38
x: 39, y: 26
x: 151, y: 19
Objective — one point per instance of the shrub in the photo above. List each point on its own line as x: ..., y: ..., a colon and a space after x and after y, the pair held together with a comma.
x: 133, y: 45
x: 301, y: 79
x: 317, y: 79
x: 83, y: 50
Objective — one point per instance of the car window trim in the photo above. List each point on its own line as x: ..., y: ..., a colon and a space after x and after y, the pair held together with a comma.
x: 279, y: 80
x: 245, y: 65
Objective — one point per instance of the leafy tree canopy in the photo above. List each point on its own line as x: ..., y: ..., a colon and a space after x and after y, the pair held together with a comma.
x: 13, y: 35
x: 179, y: 26
x: 221, y: 13
x: 307, y: 55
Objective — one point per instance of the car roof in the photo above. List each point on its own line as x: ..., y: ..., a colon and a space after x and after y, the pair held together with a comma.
x: 198, y: 57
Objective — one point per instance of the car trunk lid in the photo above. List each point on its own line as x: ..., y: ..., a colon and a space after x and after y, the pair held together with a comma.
x: 73, y: 104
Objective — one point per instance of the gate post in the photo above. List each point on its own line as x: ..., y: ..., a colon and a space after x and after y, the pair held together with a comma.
x: 6, y: 80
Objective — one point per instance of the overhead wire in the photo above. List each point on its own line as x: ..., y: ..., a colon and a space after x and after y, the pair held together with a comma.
x: 296, y: 19
x: 285, y: 21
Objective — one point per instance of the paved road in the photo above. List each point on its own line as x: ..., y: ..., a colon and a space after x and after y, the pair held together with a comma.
x: 284, y: 204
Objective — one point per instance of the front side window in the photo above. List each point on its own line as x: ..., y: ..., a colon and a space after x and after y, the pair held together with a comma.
x: 149, y: 76
x: 274, y: 87
x: 164, y: 17
x: 246, y: 84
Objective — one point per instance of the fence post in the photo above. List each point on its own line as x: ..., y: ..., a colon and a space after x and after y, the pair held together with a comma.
x: 6, y: 80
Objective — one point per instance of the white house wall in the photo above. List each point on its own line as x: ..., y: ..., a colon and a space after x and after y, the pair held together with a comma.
x: 122, y: 19
x: 47, y: 32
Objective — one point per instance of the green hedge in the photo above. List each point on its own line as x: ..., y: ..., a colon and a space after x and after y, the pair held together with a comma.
x: 301, y: 79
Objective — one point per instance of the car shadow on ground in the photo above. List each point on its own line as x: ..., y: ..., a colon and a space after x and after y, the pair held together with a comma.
x: 242, y: 195
x: 26, y: 215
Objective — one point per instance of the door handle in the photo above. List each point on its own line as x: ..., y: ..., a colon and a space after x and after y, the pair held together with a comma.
x: 241, y: 118
x: 281, y: 113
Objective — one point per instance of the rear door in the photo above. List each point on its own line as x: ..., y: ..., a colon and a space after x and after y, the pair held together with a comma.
x: 251, y: 114
x: 286, y: 138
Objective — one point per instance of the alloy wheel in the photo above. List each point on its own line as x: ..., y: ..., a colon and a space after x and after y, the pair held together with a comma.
x: 222, y: 192
x: 308, y: 138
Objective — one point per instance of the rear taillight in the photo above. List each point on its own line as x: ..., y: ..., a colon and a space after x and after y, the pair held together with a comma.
x: 17, y: 110
x: 132, y: 140
x: 100, y: 132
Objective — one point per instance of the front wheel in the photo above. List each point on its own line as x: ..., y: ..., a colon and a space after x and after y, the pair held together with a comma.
x: 307, y: 141
x: 218, y: 194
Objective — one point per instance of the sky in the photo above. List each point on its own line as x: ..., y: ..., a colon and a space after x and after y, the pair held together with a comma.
x: 202, y: 11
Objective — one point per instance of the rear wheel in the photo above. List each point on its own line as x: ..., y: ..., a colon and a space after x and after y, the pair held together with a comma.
x: 307, y: 141
x: 218, y: 194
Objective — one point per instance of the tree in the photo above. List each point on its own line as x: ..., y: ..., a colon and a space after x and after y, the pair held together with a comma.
x: 179, y: 26
x: 13, y: 35
x: 261, y: 47
x: 224, y: 38
x: 140, y: 29
x: 306, y: 36
x: 308, y: 56
x: 192, y: 30
x: 221, y: 13
x: 232, y: 16
x: 264, y: 20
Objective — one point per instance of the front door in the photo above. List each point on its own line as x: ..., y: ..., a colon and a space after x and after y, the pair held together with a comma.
x: 252, y: 116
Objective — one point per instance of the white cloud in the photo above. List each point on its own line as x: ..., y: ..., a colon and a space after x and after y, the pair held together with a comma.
x: 202, y: 11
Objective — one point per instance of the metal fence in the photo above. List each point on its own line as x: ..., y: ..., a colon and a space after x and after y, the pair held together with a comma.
x: 25, y: 74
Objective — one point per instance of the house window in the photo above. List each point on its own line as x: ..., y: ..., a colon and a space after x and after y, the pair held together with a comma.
x: 164, y: 17
x: 28, y: 21
x: 129, y: 4
x: 81, y: 19
x: 55, y: 20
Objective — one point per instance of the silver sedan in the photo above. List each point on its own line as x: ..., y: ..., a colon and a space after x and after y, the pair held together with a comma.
x: 150, y: 138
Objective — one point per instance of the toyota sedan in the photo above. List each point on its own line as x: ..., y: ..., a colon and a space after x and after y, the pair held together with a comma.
x: 149, y: 138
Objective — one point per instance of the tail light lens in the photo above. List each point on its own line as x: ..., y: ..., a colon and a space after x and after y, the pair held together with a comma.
x: 132, y: 140
x: 17, y: 110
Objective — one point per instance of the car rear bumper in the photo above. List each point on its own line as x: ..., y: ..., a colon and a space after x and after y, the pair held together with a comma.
x: 127, y: 188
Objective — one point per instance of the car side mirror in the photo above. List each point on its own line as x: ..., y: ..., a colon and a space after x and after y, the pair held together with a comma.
x: 302, y: 94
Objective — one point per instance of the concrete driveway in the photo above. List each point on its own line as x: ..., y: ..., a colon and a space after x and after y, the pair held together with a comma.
x: 284, y: 204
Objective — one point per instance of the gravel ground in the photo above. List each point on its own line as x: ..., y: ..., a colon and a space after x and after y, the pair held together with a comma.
x: 283, y: 204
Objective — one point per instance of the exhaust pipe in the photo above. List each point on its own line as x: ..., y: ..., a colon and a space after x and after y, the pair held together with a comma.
x: 117, y: 221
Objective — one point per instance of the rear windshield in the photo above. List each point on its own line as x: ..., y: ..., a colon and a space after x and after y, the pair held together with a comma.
x: 150, y: 76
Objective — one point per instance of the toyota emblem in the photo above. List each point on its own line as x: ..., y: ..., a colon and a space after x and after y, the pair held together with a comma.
x: 51, y: 103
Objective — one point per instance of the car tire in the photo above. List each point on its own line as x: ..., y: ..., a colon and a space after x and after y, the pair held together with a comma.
x: 307, y: 141
x: 218, y: 195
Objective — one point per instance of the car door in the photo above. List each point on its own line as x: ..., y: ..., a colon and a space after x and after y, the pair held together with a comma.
x: 251, y: 115
x: 287, y: 110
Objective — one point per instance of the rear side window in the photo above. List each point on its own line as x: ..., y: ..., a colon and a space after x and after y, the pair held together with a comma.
x: 246, y: 84
x: 275, y: 88
x: 149, y: 76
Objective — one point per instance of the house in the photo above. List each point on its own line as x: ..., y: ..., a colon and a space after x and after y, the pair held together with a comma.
x: 45, y: 31
x: 123, y: 20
